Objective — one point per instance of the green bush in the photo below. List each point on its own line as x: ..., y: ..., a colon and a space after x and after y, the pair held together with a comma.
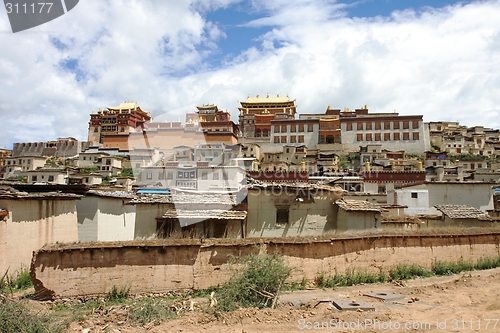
x: 256, y: 282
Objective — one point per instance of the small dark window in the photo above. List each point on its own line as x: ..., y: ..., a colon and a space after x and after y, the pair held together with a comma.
x: 414, y: 195
x: 282, y: 215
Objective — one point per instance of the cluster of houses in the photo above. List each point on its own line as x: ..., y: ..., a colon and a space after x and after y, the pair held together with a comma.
x: 271, y: 175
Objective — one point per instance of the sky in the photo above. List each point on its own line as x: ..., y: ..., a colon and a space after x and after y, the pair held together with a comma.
x: 439, y: 59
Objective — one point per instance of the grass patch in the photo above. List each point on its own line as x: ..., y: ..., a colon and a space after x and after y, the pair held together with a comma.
x: 256, y: 281
x: 487, y: 263
x: 450, y: 268
x: 406, y: 272
x: 350, y: 278
x: 151, y: 309
x: 15, y: 317
x: 21, y: 280
x: 302, y: 285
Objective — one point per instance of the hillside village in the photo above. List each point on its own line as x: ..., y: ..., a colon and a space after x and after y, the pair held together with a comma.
x: 273, y: 173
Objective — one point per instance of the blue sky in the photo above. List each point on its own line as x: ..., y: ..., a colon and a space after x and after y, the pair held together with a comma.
x: 233, y: 20
x: 435, y: 58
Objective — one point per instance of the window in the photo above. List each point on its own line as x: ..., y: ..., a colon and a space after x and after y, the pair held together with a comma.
x: 377, y: 136
x: 293, y: 139
x: 204, y: 175
x: 378, y: 125
x: 301, y: 127
x: 282, y: 215
x: 276, y: 139
x: 149, y: 175
x: 180, y: 174
x: 33, y: 178
x: 387, y: 125
x: 293, y: 128
x: 309, y: 127
x: 301, y: 139
x: 170, y: 175
x: 369, y: 126
x: 415, y: 135
x: 283, y: 129
x: 359, y: 126
x: 283, y: 139
x: 396, y: 136
x: 368, y: 137
x: 395, y: 125
x: 161, y: 175
x: 406, y: 136
x: 215, y: 176
x: 414, y: 124
x: 276, y: 128
x: 387, y: 136
x: 51, y: 178
x: 406, y: 124
x: 359, y: 137
x: 348, y: 127
x: 414, y: 195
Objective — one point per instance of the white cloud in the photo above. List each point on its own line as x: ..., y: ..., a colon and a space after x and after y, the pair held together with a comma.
x: 442, y: 63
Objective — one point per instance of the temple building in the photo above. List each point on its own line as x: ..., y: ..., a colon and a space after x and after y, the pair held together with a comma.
x: 127, y: 126
x: 120, y: 120
x: 256, y: 114
x: 214, y: 123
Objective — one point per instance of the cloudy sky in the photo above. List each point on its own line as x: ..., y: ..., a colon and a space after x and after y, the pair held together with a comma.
x: 440, y: 59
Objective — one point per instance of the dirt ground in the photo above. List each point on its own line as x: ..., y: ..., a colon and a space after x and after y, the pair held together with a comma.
x: 468, y: 302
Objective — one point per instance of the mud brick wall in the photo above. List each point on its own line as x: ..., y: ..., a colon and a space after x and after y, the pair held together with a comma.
x: 88, y: 270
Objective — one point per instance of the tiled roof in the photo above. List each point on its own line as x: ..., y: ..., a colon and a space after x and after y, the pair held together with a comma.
x: 295, y: 185
x: 14, y: 194
x: 112, y: 194
x: 460, y: 211
x: 184, y: 198
x: 206, y: 214
x: 358, y: 206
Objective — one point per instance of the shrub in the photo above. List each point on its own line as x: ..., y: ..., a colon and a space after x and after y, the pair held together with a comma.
x: 118, y: 295
x: 256, y: 282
